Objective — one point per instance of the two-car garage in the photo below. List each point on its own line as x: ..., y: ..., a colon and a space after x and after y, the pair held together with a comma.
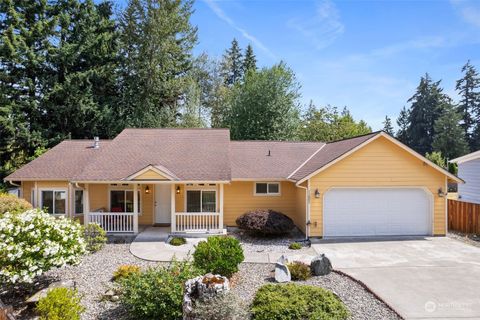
x: 351, y: 212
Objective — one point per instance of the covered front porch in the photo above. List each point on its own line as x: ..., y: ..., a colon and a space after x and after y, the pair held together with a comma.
x: 184, y: 208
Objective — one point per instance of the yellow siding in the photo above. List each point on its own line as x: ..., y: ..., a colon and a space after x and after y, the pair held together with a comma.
x: 150, y: 175
x: 180, y: 198
x: 380, y: 163
x: 301, y: 208
x: 239, y: 198
x: 146, y: 218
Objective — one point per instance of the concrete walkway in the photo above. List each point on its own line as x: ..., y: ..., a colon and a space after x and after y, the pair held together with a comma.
x: 430, y: 278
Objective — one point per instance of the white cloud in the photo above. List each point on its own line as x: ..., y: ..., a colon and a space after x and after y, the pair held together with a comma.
x: 222, y: 15
x: 323, y: 28
x: 468, y: 10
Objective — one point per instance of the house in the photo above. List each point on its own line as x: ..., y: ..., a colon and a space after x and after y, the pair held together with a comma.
x: 469, y: 171
x: 198, y: 180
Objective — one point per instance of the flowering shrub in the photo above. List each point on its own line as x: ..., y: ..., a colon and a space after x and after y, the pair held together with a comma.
x: 60, y: 304
x: 13, y: 204
x: 33, y: 242
x: 95, y: 237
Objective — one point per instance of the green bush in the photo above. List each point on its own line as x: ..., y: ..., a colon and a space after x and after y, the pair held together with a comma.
x: 13, y: 204
x: 222, y: 307
x: 219, y: 255
x: 178, y: 241
x: 296, y: 302
x: 60, y: 304
x: 295, y: 246
x: 158, y: 292
x: 125, y: 271
x: 299, y: 270
x: 95, y: 237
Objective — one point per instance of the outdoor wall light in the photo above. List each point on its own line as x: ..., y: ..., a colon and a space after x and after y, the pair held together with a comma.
x: 317, y: 193
x: 441, y: 193
x: 147, y: 190
x: 178, y: 189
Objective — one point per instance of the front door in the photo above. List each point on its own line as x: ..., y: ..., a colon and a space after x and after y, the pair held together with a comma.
x: 162, y: 203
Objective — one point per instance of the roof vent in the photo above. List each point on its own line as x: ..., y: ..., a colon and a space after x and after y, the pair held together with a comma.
x: 96, y: 143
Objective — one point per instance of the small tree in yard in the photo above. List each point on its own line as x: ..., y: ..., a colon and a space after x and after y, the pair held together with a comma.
x: 33, y: 242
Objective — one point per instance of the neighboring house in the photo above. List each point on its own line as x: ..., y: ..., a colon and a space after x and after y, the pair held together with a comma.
x: 469, y: 171
x: 197, y: 180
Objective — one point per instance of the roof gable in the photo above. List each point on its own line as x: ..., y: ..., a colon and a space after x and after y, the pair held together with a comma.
x: 152, y: 173
x: 468, y: 157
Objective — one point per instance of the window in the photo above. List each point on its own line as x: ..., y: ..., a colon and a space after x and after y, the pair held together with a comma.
x: 267, y: 188
x: 53, y: 201
x: 201, y: 201
x: 78, y: 201
x: 122, y: 201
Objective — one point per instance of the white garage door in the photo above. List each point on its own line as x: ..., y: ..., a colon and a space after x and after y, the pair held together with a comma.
x: 375, y: 212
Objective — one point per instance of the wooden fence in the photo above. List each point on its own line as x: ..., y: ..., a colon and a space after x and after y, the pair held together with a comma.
x: 463, y: 216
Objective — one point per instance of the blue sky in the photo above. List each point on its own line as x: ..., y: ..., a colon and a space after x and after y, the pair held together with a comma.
x: 366, y: 55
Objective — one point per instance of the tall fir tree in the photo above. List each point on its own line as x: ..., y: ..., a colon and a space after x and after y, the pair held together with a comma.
x: 250, y: 61
x: 387, y: 126
x: 403, y: 124
x: 232, y: 64
x: 449, y: 138
x: 156, y: 43
x: 85, y: 61
x: 426, y: 107
x: 26, y: 26
x: 468, y: 88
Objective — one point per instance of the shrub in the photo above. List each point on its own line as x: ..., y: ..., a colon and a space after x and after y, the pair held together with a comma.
x: 178, y: 241
x: 13, y: 204
x: 222, y: 307
x: 219, y: 255
x: 295, y: 246
x: 125, y: 271
x: 293, y: 301
x: 158, y: 292
x: 33, y: 242
x: 60, y: 304
x: 265, y: 222
x: 299, y: 270
x: 95, y: 237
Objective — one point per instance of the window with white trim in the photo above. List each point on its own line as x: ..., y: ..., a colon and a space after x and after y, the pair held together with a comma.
x: 78, y: 203
x: 267, y: 188
x: 201, y: 200
x: 53, y: 201
x: 122, y: 201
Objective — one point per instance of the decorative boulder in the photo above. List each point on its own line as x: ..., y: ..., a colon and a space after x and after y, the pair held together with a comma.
x: 321, y: 265
x: 282, y: 274
x: 266, y: 222
x: 202, y: 287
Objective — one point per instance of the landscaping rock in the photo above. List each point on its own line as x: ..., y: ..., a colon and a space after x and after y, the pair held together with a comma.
x: 42, y: 293
x: 321, y: 265
x: 282, y: 274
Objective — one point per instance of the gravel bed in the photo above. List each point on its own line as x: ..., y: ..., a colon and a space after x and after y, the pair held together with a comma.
x: 92, y: 277
x: 362, y: 304
x: 471, y: 239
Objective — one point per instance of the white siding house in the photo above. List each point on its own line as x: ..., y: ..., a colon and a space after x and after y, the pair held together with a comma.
x: 469, y: 171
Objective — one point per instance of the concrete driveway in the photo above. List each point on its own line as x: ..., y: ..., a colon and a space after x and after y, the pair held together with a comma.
x: 421, y: 278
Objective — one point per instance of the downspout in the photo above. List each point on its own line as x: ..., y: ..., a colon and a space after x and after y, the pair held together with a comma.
x: 307, y: 208
x: 13, y: 183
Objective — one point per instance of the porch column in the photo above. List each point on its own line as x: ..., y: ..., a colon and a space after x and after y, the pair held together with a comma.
x: 173, y: 220
x: 86, y: 204
x: 71, y: 200
x: 220, y: 218
x: 135, y: 208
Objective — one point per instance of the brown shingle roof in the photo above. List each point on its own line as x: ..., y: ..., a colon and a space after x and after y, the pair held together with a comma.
x: 190, y: 154
x: 62, y: 162
x: 329, y: 153
x: 250, y: 159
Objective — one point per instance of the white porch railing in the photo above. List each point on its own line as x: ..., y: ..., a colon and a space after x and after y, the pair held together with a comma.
x: 197, y: 222
x: 113, y: 222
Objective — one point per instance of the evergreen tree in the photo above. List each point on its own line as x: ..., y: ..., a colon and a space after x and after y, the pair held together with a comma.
x: 157, y: 41
x: 387, y: 126
x: 449, y: 138
x: 403, y: 124
x: 468, y: 88
x: 265, y: 105
x: 25, y: 29
x: 84, y: 59
x: 437, y: 158
x: 250, y: 61
x: 232, y: 65
x: 427, y: 106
